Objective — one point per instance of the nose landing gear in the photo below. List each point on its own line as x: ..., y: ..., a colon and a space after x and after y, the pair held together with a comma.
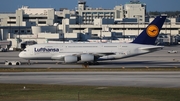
x: 29, y: 62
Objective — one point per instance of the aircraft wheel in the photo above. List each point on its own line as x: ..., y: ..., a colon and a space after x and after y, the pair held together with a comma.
x: 17, y: 63
x: 10, y: 63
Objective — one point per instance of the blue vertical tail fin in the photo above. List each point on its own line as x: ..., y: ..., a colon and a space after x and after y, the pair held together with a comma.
x: 149, y: 35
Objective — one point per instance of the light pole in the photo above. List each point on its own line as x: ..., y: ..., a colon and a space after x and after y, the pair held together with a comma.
x: 166, y: 31
x: 80, y: 28
x: 10, y: 26
x: 18, y: 39
x: 170, y: 32
x: 124, y: 30
x: 138, y: 24
x: 19, y: 27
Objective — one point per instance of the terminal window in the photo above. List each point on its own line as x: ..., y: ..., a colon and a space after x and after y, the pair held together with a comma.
x: 28, y: 31
x: 16, y: 31
x: 22, y: 31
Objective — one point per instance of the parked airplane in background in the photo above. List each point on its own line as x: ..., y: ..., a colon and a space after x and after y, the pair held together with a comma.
x: 94, y: 52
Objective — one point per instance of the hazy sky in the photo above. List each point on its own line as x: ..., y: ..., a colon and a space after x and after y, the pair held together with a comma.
x: 152, y: 5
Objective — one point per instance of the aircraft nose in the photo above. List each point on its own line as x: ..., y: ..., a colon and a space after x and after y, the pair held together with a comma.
x: 20, y: 54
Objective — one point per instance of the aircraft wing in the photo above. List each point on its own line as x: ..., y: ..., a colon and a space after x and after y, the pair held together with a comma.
x: 97, y: 55
x: 103, y: 54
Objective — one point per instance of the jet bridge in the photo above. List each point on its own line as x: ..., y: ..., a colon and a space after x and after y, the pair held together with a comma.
x: 25, y: 44
x: 5, y: 45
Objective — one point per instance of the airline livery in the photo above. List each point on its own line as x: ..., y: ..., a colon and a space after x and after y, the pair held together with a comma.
x: 91, y: 53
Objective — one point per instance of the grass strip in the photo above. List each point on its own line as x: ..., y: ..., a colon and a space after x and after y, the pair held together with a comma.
x: 32, y: 92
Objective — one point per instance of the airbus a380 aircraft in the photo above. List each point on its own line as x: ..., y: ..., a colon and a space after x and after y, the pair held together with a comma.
x: 93, y: 52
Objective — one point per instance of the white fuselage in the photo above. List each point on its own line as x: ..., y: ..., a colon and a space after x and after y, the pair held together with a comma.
x: 105, y: 51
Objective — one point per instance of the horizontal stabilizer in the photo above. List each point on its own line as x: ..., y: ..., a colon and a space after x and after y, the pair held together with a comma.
x: 152, y: 48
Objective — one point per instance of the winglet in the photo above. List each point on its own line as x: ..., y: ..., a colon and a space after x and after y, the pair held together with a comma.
x: 149, y: 35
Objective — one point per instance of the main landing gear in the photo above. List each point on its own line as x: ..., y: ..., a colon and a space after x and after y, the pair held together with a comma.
x: 86, y: 64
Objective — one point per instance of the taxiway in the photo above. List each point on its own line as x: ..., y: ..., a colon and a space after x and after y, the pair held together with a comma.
x: 130, y: 79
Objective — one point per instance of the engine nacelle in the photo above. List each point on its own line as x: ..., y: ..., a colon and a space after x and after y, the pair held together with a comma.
x: 70, y: 59
x: 87, y: 57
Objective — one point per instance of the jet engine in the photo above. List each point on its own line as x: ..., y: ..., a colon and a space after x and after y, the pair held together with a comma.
x: 87, y: 57
x: 70, y: 59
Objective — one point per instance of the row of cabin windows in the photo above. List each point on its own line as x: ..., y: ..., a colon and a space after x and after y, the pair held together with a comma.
x: 81, y: 46
x: 110, y: 46
x: 92, y: 46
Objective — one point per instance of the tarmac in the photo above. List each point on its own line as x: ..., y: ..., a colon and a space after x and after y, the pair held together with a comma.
x: 103, y: 79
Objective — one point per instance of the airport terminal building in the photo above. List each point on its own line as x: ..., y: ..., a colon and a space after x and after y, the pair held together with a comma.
x: 43, y: 25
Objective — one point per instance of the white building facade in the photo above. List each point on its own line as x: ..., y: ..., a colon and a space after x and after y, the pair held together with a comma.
x: 42, y: 24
